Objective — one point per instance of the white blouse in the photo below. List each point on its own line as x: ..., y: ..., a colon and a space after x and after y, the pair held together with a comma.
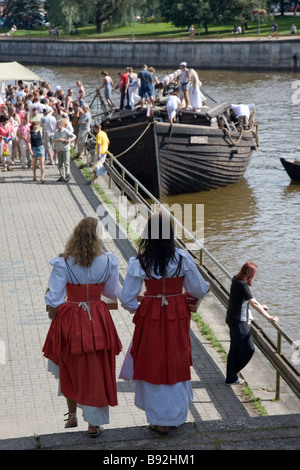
x: 193, y: 282
x: 105, y: 268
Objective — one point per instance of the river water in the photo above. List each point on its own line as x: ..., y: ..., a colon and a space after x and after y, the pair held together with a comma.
x: 257, y: 219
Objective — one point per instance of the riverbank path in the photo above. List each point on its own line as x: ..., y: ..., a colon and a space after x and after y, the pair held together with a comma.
x: 36, y: 221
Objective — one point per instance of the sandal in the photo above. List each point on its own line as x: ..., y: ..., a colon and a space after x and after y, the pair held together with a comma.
x: 71, y: 421
x: 98, y: 430
x: 163, y: 430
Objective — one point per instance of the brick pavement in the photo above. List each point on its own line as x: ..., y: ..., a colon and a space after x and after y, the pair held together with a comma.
x: 36, y: 221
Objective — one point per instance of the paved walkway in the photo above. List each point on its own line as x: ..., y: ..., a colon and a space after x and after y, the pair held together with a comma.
x: 36, y: 221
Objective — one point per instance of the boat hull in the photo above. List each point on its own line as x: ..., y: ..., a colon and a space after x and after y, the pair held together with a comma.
x: 181, y: 158
x: 292, y: 168
x: 196, y: 158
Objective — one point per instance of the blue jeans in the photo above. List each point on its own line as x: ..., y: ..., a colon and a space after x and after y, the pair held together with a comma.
x: 241, y: 349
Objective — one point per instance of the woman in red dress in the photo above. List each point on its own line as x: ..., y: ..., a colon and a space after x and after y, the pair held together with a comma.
x: 161, y: 346
x: 82, y: 341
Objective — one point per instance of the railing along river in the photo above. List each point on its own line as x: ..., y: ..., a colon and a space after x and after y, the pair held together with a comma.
x: 206, y: 264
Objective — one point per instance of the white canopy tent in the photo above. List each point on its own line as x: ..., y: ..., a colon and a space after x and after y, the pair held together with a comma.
x: 12, y: 72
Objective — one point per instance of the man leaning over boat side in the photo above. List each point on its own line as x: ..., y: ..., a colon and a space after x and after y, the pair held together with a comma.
x: 173, y: 101
x: 243, y: 112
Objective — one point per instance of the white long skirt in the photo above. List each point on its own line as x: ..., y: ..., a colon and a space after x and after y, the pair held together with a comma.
x: 91, y: 414
x: 196, y: 98
x: 164, y: 405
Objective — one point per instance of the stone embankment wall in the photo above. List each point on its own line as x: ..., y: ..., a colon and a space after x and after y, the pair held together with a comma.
x: 265, y: 54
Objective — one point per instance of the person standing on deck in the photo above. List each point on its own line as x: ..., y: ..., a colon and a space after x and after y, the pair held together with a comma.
x: 185, y: 83
x: 146, y: 89
x: 124, y: 95
x: 132, y: 87
x: 107, y: 84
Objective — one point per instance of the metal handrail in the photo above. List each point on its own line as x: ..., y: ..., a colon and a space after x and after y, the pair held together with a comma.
x: 284, y: 368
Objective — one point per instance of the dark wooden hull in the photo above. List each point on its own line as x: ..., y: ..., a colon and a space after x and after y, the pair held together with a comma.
x: 195, y: 158
x: 181, y: 158
x: 292, y: 167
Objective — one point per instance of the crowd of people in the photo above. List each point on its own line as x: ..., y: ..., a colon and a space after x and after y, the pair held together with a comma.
x: 137, y: 87
x: 39, y: 125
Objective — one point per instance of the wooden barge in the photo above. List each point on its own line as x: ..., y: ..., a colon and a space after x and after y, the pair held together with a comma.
x: 201, y: 151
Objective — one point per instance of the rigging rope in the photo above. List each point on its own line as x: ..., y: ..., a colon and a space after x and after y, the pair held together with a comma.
x: 134, y: 143
x: 242, y: 131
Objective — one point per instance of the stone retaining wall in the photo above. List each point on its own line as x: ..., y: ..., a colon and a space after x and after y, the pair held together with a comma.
x: 266, y: 54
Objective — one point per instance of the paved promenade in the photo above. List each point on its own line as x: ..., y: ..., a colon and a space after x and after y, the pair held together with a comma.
x: 36, y: 221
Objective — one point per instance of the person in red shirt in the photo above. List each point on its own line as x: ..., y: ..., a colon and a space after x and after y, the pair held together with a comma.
x: 7, y: 133
x: 124, y: 77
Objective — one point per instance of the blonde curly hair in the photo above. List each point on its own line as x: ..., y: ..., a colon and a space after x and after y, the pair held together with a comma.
x: 84, y: 245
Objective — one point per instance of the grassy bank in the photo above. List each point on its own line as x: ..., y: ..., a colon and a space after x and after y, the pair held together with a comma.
x: 168, y: 31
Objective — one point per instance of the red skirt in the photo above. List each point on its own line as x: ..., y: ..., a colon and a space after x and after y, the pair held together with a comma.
x: 161, y: 346
x: 83, y: 342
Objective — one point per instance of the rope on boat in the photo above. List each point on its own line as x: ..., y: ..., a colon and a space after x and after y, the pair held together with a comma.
x: 134, y: 143
x: 253, y: 129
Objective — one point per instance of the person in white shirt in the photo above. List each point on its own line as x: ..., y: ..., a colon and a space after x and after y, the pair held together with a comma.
x: 161, y: 347
x: 61, y: 139
x: 243, y: 113
x: 48, y: 123
x: 172, y: 103
x: 82, y: 342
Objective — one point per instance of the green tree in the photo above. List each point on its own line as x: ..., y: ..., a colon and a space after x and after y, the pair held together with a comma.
x: 203, y: 12
x: 187, y: 12
x: 64, y: 13
x: 105, y: 10
x: 21, y: 11
x: 236, y: 12
x: 68, y: 12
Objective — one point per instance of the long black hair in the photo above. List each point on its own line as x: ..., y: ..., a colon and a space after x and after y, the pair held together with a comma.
x: 157, y: 246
